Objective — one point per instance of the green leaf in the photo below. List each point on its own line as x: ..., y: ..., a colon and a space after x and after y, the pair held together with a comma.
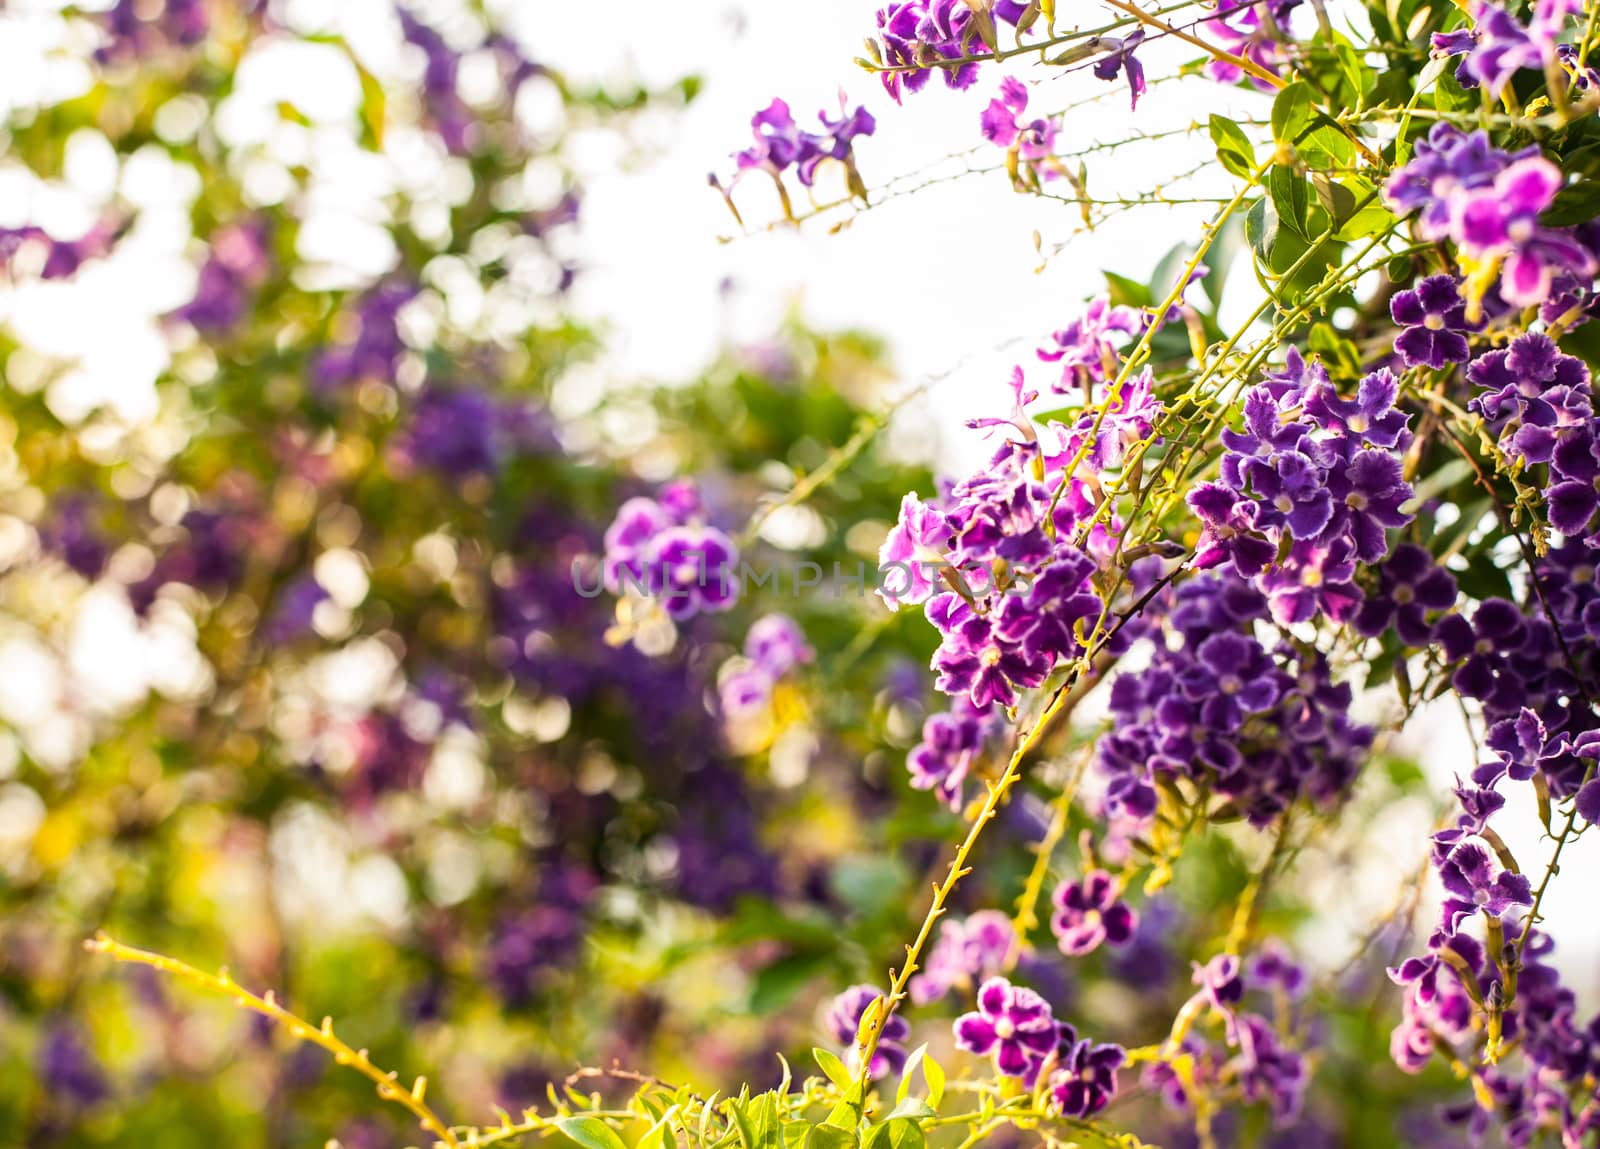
x: 933, y: 1074
x: 590, y: 1132
x: 1290, y: 197
x: 914, y: 1108
x: 777, y: 984
x: 833, y: 1067
x: 846, y: 1114
x: 897, y: 1133
x: 1573, y: 205
x: 1124, y: 292
x: 1234, y: 149
x: 1325, y: 144
x: 1291, y: 112
x: 1261, y: 228
x: 826, y: 1136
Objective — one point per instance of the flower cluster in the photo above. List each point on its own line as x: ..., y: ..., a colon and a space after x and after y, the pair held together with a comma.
x: 1483, y: 979
x: 1488, y: 202
x: 1256, y: 1058
x: 1497, y: 45
x: 1538, y: 404
x: 1018, y: 1029
x: 664, y: 549
x: 781, y: 144
x: 915, y: 35
x: 1313, y: 476
x: 1260, y: 729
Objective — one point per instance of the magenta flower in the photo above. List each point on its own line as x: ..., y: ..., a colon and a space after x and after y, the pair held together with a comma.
x: 1091, y: 911
x: 1503, y: 221
x: 1002, y: 125
x: 776, y: 644
x: 1013, y: 1024
x: 915, y: 544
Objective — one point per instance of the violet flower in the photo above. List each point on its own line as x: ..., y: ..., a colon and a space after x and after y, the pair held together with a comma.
x: 1434, y: 318
x: 1091, y: 911
x: 1085, y: 1079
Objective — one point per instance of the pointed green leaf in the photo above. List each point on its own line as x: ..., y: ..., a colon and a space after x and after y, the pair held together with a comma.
x: 590, y: 1132
x: 1291, y: 112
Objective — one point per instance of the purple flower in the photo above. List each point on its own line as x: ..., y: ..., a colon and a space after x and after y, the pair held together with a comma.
x: 745, y: 691
x: 914, y: 544
x: 68, y: 1068
x: 915, y: 34
x: 375, y: 350
x: 1482, y: 647
x: 1228, y: 531
x: 1120, y: 58
x: 1013, y: 1024
x: 987, y: 668
x: 236, y: 266
x: 1445, y: 166
x: 1313, y: 579
x: 1087, y: 348
x: 1085, y: 1079
x: 1268, y: 1070
x: 1091, y: 911
x: 781, y: 144
x: 1274, y: 967
x: 294, y: 610
x: 1502, y: 47
x: 1240, y: 30
x: 775, y: 643
x: 692, y: 571
x: 844, y: 1023
x: 1231, y: 679
x: 1473, y: 883
x: 967, y: 952
x: 1371, y: 418
x: 949, y: 742
x: 1503, y: 221
x: 1221, y: 982
x: 1002, y: 125
x: 1434, y: 317
x: 1368, y: 495
x: 1409, y: 585
x: 1522, y: 747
